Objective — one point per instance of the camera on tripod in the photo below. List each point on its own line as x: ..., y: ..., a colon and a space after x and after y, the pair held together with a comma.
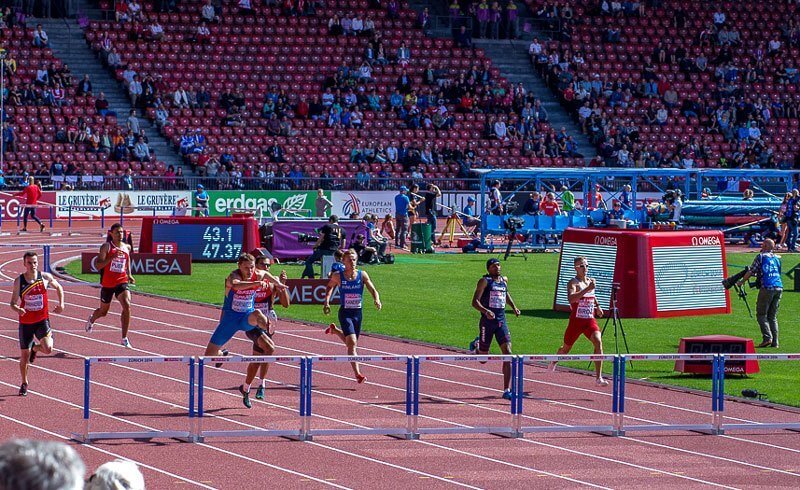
x: 513, y: 223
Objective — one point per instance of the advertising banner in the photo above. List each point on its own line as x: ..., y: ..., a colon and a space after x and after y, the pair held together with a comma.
x: 155, y: 264
x: 12, y: 206
x: 127, y: 203
x: 264, y: 203
x: 380, y: 203
x: 310, y: 292
x: 286, y: 236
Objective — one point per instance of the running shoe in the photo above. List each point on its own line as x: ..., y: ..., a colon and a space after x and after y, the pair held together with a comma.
x: 360, y: 378
x: 23, y: 389
x: 507, y: 395
x: 126, y: 343
x: 224, y: 353
x: 32, y: 356
x: 260, y: 393
x: 331, y: 328
x: 89, y: 324
x: 601, y: 382
x: 765, y: 343
x: 41, y: 228
x: 552, y: 366
x: 245, y: 397
x: 473, y: 346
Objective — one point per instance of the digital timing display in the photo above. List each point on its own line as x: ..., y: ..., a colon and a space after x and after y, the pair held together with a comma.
x: 206, y: 243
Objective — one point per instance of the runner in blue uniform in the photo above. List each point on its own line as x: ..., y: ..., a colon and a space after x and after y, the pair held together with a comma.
x: 351, y: 283
x: 490, y: 298
x: 239, y: 312
x: 264, y: 302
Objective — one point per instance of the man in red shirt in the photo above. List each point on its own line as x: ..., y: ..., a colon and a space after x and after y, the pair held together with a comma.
x: 549, y: 206
x: 32, y: 193
x: 29, y: 300
x: 114, y: 262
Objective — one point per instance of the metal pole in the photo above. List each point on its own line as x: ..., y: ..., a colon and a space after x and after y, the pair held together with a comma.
x: 2, y: 105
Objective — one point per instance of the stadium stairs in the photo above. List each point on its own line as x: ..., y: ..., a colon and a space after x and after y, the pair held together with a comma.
x: 69, y: 44
x: 511, y: 57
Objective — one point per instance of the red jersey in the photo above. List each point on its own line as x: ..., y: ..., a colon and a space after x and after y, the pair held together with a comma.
x: 33, y: 299
x: 549, y: 208
x: 264, y: 298
x: 116, y: 271
x: 31, y: 193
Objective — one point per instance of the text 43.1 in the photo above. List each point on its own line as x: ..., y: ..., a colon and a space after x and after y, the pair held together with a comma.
x: 217, y: 234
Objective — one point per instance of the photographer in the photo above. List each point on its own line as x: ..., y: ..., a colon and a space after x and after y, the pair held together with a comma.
x: 767, y: 268
x: 330, y: 239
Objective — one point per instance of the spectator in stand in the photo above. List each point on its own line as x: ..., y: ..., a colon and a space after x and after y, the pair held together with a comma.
x: 208, y: 13
x: 40, y: 39
x: 549, y: 206
x: 203, y: 34
x: 403, y: 55
x: 512, y: 13
x: 141, y: 151
x: 84, y: 86
x: 495, y: 18
x: 482, y: 15
x: 155, y: 31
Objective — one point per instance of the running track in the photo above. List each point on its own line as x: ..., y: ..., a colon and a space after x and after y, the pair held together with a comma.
x: 129, y: 398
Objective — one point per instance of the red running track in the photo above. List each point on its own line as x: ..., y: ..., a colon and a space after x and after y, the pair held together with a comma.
x: 128, y: 398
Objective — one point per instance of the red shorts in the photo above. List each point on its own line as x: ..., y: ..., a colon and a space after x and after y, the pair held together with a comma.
x: 578, y: 327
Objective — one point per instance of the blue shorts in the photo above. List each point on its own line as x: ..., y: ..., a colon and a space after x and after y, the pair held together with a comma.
x: 228, y: 326
x: 493, y: 328
x: 350, y: 322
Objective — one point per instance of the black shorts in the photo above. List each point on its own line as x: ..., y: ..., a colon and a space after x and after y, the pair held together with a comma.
x: 350, y: 321
x: 27, y: 332
x: 107, y: 293
x: 254, y: 334
x: 492, y: 329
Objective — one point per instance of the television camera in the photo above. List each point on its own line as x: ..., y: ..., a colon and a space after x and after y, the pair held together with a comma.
x: 305, y: 237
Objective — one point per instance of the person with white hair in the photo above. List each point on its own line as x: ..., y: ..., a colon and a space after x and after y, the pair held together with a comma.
x: 40, y: 465
x: 116, y: 475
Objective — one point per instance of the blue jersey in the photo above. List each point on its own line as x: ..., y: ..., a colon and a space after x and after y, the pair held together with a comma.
x: 494, y: 297
x: 771, y: 271
x: 240, y: 302
x: 351, y: 292
x: 337, y: 267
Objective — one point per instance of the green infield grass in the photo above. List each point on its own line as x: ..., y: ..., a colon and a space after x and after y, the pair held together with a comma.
x: 427, y: 298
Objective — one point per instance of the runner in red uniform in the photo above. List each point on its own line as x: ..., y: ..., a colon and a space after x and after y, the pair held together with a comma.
x: 114, y: 264
x: 32, y: 193
x: 29, y: 299
x: 585, y: 308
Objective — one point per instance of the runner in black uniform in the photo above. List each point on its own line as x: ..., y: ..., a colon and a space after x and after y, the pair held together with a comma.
x: 490, y: 298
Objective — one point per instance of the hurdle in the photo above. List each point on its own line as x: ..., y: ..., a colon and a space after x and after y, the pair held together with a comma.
x: 87, y: 210
x: 515, y: 405
x: 406, y: 432
x: 606, y: 429
x: 51, y: 217
x: 719, y: 421
x: 87, y: 436
x: 201, y: 433
x: 717, y: 373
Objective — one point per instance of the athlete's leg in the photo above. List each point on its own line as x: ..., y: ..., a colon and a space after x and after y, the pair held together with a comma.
x: 351, y: 341
x: 597, y: 341
x: 265, y: 348
x: 24, y: 354
x: 334, y: 330
x: 45, y: 345
x: 100, y: 312
x: 506, y: 350
x: 563, y: 350
x: 124, y: 299
x: 213, y: 350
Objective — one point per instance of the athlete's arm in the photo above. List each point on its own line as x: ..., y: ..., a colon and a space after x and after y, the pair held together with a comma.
x: 371, y: 288
x: 52, y: 283
x: 269, y: 278
x: 283, y: 294
x: 235, y: 282
x: 598, y: 310
x: 476, y: 299
x: 128, y: 265
x: 509, y: 300
x: 575, y: 291
x: 332, y: 283
x: 103, y: 258
x: 15, y: 298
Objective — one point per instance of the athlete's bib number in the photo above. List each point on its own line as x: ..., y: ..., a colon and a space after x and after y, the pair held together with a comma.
x: 118, y: 264
x: 497, y: 299
x: 242, y: 304
x: 34, y: 302
x: 352, y: 301
x: 585, y: 308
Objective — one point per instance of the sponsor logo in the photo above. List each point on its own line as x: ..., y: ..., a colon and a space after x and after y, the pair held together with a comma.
x: 273, y: 206
x: 310, y: 291
x: 705, y: 240
x: 136, y: 203
x: 147, y: 264
x: 352, y: 205
x: 606, y: 240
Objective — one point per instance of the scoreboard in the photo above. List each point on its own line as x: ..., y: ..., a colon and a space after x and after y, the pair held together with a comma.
x: 207, y: 239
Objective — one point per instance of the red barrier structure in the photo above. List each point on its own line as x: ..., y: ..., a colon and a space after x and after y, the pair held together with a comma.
x: 659, y: 273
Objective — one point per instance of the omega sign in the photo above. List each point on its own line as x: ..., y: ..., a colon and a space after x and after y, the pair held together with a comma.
x: 155, y: 264
x: 705, y: 240
x: 310, y: 292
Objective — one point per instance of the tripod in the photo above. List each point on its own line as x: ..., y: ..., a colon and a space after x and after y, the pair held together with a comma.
x: 616, y: 321
x: 450, y: 229
x: 512, y: 233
